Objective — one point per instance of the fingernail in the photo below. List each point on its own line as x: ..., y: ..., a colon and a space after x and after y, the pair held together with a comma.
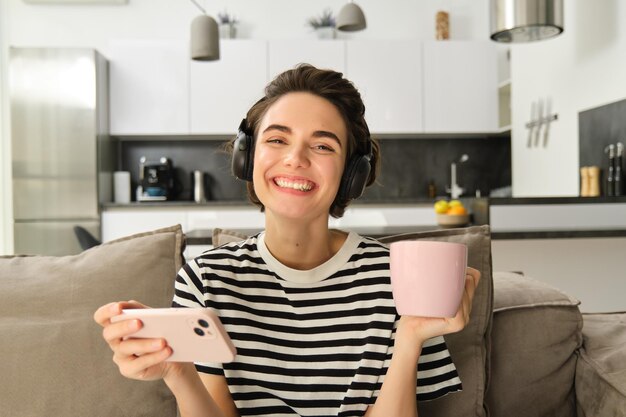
x: 157, y: 344
x: 114, y: 307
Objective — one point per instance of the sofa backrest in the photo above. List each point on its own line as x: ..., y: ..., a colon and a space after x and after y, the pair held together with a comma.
x: 53, y: 360
x: 470, y: 348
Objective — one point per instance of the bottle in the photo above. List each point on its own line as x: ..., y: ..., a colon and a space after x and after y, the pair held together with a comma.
x: 610, y: 185
x: 584, y: 181
x: 432, y: 190
x: 618, y: 183
x: 594, y: 181
x: 442, y: 26
x: 199, y: 191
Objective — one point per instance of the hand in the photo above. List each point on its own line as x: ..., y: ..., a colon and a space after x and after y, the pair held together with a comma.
x: 414, y: 331
x: 136, y: 358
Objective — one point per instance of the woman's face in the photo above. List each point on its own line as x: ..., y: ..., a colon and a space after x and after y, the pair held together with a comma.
x: 299, y: 156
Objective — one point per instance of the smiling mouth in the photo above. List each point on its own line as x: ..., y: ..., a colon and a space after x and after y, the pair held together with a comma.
x: 299, y: 185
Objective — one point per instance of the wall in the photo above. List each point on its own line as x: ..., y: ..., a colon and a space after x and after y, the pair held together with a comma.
x: 95, y: 26
x: 589, y: 269
x: 6, y: 212
x: 581, y: 69
x: 407, y: 166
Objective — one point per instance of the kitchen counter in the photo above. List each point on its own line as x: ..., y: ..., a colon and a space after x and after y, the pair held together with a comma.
x: 387, y: 202
x: 554, y: 200
x: 245, y: 203
x: 557, y: 217
x: 509, y: 218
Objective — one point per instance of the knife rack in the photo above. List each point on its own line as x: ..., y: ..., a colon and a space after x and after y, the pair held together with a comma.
x: 539, y: 124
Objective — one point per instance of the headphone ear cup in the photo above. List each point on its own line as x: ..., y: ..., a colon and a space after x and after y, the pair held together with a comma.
x: 242, y: 160
x: 355, y: 178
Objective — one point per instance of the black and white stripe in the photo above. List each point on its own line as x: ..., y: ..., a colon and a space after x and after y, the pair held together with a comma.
x: 309, y: 343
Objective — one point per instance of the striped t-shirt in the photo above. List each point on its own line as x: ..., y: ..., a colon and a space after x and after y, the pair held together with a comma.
x: 309, y: 343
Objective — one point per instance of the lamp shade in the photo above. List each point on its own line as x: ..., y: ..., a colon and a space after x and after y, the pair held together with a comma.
x: 525, y: 20
x: 351, y: 18
x: 205, y: 39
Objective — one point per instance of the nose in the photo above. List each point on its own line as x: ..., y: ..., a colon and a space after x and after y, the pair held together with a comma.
x: 297, y: 156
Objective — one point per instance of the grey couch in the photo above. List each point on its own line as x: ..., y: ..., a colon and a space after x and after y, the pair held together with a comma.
x: 527, y: 351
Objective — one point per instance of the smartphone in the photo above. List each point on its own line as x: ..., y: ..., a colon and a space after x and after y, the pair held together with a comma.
x: 194, y: 334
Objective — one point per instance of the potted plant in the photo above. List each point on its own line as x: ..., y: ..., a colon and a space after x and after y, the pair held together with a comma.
x: 227, y: 22
x: 324, y: 24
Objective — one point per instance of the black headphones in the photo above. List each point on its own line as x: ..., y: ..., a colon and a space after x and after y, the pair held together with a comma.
x: 353, y: 181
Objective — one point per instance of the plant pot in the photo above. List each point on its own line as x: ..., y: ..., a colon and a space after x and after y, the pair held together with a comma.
x: 326, y: 32
x: 228, y: 31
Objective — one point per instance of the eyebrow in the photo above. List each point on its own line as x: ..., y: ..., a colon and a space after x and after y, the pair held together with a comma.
x: 316, y: 134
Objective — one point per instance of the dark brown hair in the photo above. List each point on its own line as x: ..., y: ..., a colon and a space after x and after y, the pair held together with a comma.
x: 331, y: 86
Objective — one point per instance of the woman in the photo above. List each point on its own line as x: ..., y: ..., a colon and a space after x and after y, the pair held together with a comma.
x: 308, y: 308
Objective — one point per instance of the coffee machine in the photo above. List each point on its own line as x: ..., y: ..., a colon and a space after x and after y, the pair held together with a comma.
x: 156, y: 180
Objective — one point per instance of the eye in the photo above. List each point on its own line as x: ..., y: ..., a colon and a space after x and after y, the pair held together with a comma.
x: 324, y: 148
x: 275, y: 140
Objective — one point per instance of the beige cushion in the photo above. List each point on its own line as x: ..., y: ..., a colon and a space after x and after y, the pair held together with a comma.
x: 222, y: 237
x: 469, y: 348
x: 601, y: 367
x: 536, y: 332
x: 54, y: 361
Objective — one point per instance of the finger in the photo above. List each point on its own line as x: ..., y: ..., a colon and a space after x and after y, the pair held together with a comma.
x: 115, y: 332
x: 103, y: 315
x: 472, y: 277
x: 135, y: 304
x: 474, y: 274
x: 136, y: 367
x: 139, y: 347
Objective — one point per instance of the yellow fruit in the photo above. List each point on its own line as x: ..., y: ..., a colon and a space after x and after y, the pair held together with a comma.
x: 457, y: 210
x: 441, y: 206
x: 455, y: 203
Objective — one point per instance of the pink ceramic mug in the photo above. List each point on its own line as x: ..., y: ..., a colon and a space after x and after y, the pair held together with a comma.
x: 427, y: 277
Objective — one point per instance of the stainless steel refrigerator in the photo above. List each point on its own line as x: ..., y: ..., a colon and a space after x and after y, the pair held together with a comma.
x: 61, y: 151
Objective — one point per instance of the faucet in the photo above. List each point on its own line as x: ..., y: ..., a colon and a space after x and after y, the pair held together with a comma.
x: 455, y: 189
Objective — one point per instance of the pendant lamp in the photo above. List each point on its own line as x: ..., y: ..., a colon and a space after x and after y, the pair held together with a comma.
x: 205, y: 38
x: 525, y: 20
x: 351, y: 18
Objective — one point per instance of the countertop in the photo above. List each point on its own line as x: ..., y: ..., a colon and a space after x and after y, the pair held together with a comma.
x: 554, y: 200
x: 557, y: 217
x: 481, y: 208
x: 385, y: 202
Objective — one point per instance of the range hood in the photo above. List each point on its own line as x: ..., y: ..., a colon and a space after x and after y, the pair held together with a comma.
x: 525, y: 20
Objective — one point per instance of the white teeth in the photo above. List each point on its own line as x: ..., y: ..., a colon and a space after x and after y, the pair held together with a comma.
x: 295, y: 185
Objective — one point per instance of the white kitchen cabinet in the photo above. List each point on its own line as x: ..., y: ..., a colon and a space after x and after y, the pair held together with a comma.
x: 149, y: 87
x: 407, y: 86
x: 388, y: 74
x: 121, y: 223
x: 221, y: 92
x: 286, y: 54
x: 460, y: 87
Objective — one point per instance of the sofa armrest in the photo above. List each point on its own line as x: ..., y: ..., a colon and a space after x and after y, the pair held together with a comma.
x: 601, y: 367
x: 535, y: 336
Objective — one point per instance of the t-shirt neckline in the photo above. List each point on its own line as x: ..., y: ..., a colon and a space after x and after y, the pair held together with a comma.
x: 316, y: 274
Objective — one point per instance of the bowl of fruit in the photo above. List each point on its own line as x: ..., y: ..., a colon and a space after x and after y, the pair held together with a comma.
x: 451, y: 213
